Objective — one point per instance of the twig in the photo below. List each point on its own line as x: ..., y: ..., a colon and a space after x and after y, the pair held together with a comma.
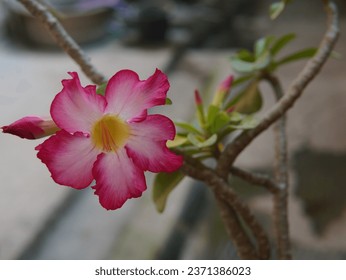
x: 63, y: 39
x: 245, y: 249
x: 256, y: 179
x: 222, y: 192
x: 237, y: 234
x: 280, y: 198
x: 294, y: 91
x: 263, y: 246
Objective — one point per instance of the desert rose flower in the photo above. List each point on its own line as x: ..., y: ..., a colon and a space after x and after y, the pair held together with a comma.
x: 109, y: 139
x: 31, y: 127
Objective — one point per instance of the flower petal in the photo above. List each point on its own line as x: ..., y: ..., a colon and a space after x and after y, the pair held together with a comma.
x: 117, y: 179
x: 147, y: 144
x: 69, y: 158
x: 155, y: 127
x: 75, y: 108
x: 127, y: 96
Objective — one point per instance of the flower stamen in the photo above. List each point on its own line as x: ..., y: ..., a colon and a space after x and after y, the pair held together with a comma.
x: 110, y: 133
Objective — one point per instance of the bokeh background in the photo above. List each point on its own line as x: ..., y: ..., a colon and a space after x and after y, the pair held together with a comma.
x: 192, y: 42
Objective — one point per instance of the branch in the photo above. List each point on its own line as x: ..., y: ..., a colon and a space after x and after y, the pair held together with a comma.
x: 280, y: 198
x: 244, y: 212
x: 294, y: 91
x: 256, y: 179
x: 63, y: 39
x: 239, y: 237
x: 224, y: 194
x: 245, y: 249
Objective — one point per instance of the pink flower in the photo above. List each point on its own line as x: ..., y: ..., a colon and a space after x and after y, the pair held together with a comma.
x: 110, y: 139
x: 31, y: 127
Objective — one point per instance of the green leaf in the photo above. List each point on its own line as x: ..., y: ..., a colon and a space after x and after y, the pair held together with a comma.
x: 201, y: 143
x: 248, y: 101
x: 209, y: 142
x: 193, y: 140
x: 241, y: 80
x: 281, y: 43
x: 248, y: 122
x: 236, y: 117
x: 101, y: 89
x: 262, y: 45
x: 303, y: 54
x: 245, y: 55
x: 276, y: 9
x: 245, y: 62
x: 220, y: 121
x: 168, y: 101
x: 263, y: 61
x: 164, y: 183
x: 212, y: 113
x: 242, y: 66
x: 187, y: 127
x: 177, y: 141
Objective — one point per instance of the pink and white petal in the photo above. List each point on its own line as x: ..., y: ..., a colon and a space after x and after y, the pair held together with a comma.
x: 117, y: 179
x: 153, y: 155
x: 147, y: 144
x: 76, y: 108
x: 69, y: 158
x: 128, y: 96
x: 156, y: 127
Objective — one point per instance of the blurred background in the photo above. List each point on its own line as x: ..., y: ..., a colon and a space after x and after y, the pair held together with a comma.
x: 192, y: 42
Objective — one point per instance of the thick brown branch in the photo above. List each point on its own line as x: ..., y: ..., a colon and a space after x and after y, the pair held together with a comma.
x: 63, y: 39
x: 245, y: 248
x: 237, y: 234
x: 263, y: 246
x: 280, y: 198
x: 221, y: 190
x: 256, y: 179
x: 294, y: 91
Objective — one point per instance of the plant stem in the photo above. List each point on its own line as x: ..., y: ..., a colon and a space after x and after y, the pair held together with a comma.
x: 239, y: 237
x: 256, y: 179
x: 231, y: 207
x: 280, y: 198
x: 63, y: 39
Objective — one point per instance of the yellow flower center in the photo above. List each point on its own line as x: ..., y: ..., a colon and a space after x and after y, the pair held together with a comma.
x: 110, y: 133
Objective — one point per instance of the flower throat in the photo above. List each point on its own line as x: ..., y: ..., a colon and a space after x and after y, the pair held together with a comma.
x: 110, y: 133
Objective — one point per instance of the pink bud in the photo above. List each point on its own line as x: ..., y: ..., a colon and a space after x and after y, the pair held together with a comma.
x: 31, y: 127
x: 226, y: 84
x: 222, y: 91
x: 198, y: 98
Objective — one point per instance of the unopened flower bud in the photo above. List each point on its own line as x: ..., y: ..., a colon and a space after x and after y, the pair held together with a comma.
x: 198, y: 99
x: 31, y: 127
x: 223, y: 91
x: 200, y: 109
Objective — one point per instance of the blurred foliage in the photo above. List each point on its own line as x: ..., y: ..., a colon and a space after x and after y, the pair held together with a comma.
x: 276, y: 8
x: 206, y: 136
